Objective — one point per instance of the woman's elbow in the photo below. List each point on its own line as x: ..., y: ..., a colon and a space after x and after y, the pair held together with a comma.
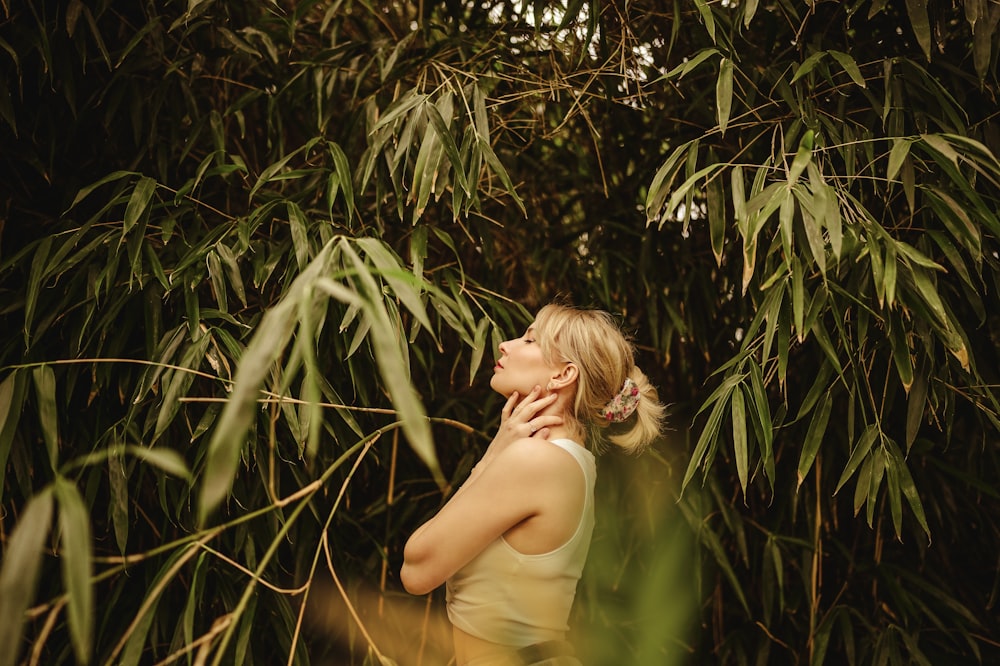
x: 416, y: 574
x: 415, y: 581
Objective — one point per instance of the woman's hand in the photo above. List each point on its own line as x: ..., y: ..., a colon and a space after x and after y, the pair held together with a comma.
x: 525, y: 418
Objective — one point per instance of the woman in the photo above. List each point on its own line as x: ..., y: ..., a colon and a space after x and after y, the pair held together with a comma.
x: 512, y: 541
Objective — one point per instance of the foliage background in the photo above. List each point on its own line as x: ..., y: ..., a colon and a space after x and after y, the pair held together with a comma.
x: 347, y: 204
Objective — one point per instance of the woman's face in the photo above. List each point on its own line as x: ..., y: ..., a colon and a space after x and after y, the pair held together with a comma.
x: 521, y: 366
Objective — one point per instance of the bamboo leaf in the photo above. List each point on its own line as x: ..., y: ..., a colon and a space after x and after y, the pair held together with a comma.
x: 500, y: 172
x: 893, y: 494
x: 859, y: 454
x: 111, y: 177
x: 708, y: 435
x: 739, y: 421
x: 343, y: 172
x: 919, y: 20
x: 45, y: 392
x: 909, y: 490
x: 901, y: 352
x: 802, y: 158
x: 916, y: 402
x: 168, y: 460
x: 404, y: 284
x: 808, y: 65
x: 724, y: 94
x: 864, y: 483
x: 233, y: 271
x: 12, y: 391
x: 929, y: 294
x: 682, y: 191
x: 269, y: 340
x: 75, y: 559
x: 22, y: 561
x: 900, y: 150
x: 707, y: 17
x: 691, y: 63
x: 118, y: 491
x: 399, y: 108
x: 875, y: 482
x: 450, y: 147
x: 392, y: 367
x: 814, y: 437
x: 762, y: 412
x: 891, y: 268
x: 659, y: 187
x: 299, y: 228
x: 716, y: 217
x: 850, y: 66
x: 138, y: 202
x: 478, y: 348
x: 798, y: 298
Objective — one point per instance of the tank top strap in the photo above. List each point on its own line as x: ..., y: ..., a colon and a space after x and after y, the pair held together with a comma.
x: 583, y: 457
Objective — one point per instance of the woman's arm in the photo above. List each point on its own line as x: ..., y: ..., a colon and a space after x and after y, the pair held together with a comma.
x: 487, y: 504
x: 512, y: 488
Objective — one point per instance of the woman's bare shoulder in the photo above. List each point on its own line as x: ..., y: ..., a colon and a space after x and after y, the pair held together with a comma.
x: 536, y: 456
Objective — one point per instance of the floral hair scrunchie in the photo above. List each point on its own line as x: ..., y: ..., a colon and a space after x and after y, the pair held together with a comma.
x: 623, y: 404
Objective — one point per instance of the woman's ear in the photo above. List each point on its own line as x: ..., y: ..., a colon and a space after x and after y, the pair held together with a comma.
x: 566, y: 376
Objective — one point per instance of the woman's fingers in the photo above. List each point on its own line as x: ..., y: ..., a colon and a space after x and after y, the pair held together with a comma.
x: 508, y: 408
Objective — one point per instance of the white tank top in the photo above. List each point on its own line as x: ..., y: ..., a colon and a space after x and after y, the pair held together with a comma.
x: 510, y: 598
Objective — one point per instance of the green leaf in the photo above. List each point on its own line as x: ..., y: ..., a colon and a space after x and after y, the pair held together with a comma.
x: 138, y: 202
x: 716, y: 217
x: 168, y: 460
x: 12, y: 391
x: 268, y: 343
x: 707, y: 17
x: 724, y: 94
x: 682, y: 191
x: 875, y: 482
x: 901, y: 351
x: 916, y: 401
x: 22, y: 562
x: 500, y: 172
x: 75, y: 559
x: 659, y: 187
x: 802, y: 158
x: 919, y: 20
x: 45, y: 391
x: 691, y: 63
x: 739, y: 419
x: 814, y: 437
x: 478, y: 348
x: 850, y: 66
x: 708, y: 435
x: 450, y: 147
x: 406, y: 287
x: 864, y: 483
x: 808, y: 65
x: 111, y: 177
x: 900, y: 149
x: 758, y: 398
x: 859, y: 454
x: 893, y: 494
x: 118, y: 491
x: 392, y: 367
x: 909, y: 490
x: 343, y: 172
x: 299, y: 228
x: 798, y: 297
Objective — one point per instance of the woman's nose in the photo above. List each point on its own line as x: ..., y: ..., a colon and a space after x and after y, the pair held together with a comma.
x: 502, y: 348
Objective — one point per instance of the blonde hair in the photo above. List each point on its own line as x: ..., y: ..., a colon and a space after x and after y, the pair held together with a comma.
x: 604, y: 357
